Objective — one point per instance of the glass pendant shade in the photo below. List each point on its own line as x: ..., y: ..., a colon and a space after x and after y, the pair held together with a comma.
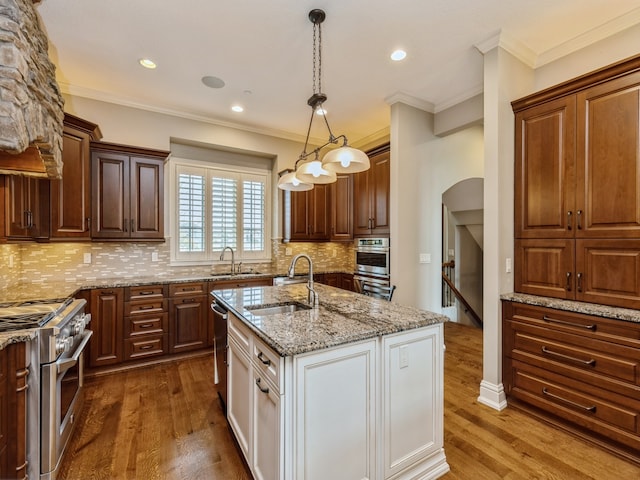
x: 290, y: 182
x: 346, y: 160
x: 313, y: 172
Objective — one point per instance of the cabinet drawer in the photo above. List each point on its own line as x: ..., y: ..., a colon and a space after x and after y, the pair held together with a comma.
x: 567, y: 350
x: 182, y: 289
x: 618, y: 332
x: 267, y: 361
x: 611, y: 415
x: 145, y: 308
x: 240, y: 333
x: 145, y: 292
x: 141, y: 347
x: 146, y: 325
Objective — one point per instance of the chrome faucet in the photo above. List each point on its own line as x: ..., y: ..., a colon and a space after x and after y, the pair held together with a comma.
x: 233, y: 263
x: 313, y: 298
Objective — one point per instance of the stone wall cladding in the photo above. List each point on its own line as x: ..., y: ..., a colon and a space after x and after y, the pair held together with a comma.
x: 31, y: 105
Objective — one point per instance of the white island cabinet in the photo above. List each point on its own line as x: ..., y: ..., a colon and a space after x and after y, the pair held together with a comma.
x: 371, y: 408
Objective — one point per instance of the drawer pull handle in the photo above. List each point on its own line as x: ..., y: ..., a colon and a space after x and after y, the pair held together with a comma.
x: 569, y: 324
x: 264, y: 360
x: 589, y: 363
x: 147, y: 292
x: 591, y: 409
x: 568, y: 281
x: 146, y: 347
x: 145, y: 307
x: 146, y: 325
x: 579, y: 214
x: 189, y: 289
x: 262, y: 389
x: 579, y: 277
x: 569, y: 213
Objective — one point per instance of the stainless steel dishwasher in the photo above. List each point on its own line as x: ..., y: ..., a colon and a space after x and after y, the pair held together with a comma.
x: 220, y: 347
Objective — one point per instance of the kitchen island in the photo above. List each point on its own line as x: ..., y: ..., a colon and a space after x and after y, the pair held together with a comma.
x: 350, y: 389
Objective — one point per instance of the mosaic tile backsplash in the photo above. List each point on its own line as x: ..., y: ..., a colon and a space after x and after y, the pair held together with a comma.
x: 37, y: 262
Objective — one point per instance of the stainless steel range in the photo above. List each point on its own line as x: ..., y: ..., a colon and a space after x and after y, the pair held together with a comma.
x: 55, y: 393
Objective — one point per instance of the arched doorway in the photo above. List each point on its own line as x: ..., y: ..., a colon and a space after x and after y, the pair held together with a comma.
x: 462, y: 247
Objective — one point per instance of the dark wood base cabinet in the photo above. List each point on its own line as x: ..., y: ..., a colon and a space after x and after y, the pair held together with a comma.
x: 13, y: 411
x: 577, y: 371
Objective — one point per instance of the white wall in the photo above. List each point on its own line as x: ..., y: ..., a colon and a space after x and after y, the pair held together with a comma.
x: 423, y: 166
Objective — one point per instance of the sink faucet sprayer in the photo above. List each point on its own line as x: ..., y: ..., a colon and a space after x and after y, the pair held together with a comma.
x: 313, y: 298
x: 233, y: 268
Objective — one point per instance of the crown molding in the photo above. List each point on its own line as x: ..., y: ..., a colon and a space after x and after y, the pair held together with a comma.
x: 127, y: 102
x: 590, y: 37
x: 401, y: 97
x: 512, y: 45
x: 453, y: 101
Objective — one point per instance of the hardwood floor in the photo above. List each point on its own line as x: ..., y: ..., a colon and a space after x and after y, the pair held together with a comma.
x: 164, y: 422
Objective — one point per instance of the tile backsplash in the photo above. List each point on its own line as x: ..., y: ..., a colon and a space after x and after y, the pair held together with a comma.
x: 38, y: 262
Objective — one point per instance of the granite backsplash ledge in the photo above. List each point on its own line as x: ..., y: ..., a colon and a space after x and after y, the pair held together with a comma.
x: 65, y: 262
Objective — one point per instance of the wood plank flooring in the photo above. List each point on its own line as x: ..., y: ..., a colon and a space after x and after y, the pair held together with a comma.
x: 164, y: 422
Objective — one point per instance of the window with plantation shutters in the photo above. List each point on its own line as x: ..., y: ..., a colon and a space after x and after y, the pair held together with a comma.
x: 217, y: 208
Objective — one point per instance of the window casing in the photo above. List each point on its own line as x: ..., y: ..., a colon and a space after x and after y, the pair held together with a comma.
x: 217, y: 206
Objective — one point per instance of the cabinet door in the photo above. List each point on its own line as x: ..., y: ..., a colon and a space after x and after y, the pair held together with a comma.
x: 545, y: 267
x: 608, y: 133
x: 346, y: 281
x: 71, y: 195
x: 319, y: 213
x: 105, y: 347
x: 266, y: 429
x: 240, y: 398
x: 544, y: 170
x: 299, y: 215
x: 380, y: 185
x: 110, y: 195
x: 608, y: 272
x: 341, y: 208
x: 335, y: 414
x: 412, y: 428
x: 361, y: 203
x: 188, y: 330
x: 147, y: 187
x: 27, y: 207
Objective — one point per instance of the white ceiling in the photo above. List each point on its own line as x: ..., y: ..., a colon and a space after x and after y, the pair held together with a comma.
x: 265, y: 47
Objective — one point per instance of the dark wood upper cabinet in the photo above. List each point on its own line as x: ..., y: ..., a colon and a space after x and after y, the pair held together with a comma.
x: 577, y: 188
x: 306, y: 215
x: 341, y: 208
x: 26, y: 201
x: 371, y: 195
x: 71, y: 195
x: 128, y: 192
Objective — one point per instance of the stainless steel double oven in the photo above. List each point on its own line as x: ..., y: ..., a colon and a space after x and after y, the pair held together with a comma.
x: 372, y: 260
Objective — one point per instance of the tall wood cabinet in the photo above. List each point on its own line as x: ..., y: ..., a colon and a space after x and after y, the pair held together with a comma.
x: 371, y: 195
x: 106, y: 307
x: 71, y: 195
x: 341, y: 209
x: 577, y: 192
x: 127, y: 187
x: 307, y: 214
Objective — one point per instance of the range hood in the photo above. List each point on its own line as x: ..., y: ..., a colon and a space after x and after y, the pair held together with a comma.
x: 31, y: 105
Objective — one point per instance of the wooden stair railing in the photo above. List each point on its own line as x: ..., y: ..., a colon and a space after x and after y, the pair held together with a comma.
x: 468, y: 309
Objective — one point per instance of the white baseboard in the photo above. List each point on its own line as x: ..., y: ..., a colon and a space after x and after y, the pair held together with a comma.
x: 492, y: 395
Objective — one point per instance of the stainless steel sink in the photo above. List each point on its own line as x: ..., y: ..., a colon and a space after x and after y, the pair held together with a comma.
x: 241, y: 274
x: 274, y: 309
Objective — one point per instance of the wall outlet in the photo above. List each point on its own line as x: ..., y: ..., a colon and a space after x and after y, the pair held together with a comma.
x: 507, y: 265
x: 87, y: 257
x: 452, y: 252
x: 154, y: 256
x: 425, y: 258
x: 404, y: 356
x: 288, y: 251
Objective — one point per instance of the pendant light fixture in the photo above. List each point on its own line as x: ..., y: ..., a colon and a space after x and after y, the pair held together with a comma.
x: 309, y: 170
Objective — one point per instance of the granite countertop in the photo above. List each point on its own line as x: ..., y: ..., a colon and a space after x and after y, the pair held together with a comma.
x: 342, y: 317
x: 16, y: 336
x: 597, y: 310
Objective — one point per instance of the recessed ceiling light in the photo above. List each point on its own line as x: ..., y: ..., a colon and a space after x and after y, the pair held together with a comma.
x: 398, y: 55
x: 237, y: 109
x: 147, y: 63
x: 213, y: 82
